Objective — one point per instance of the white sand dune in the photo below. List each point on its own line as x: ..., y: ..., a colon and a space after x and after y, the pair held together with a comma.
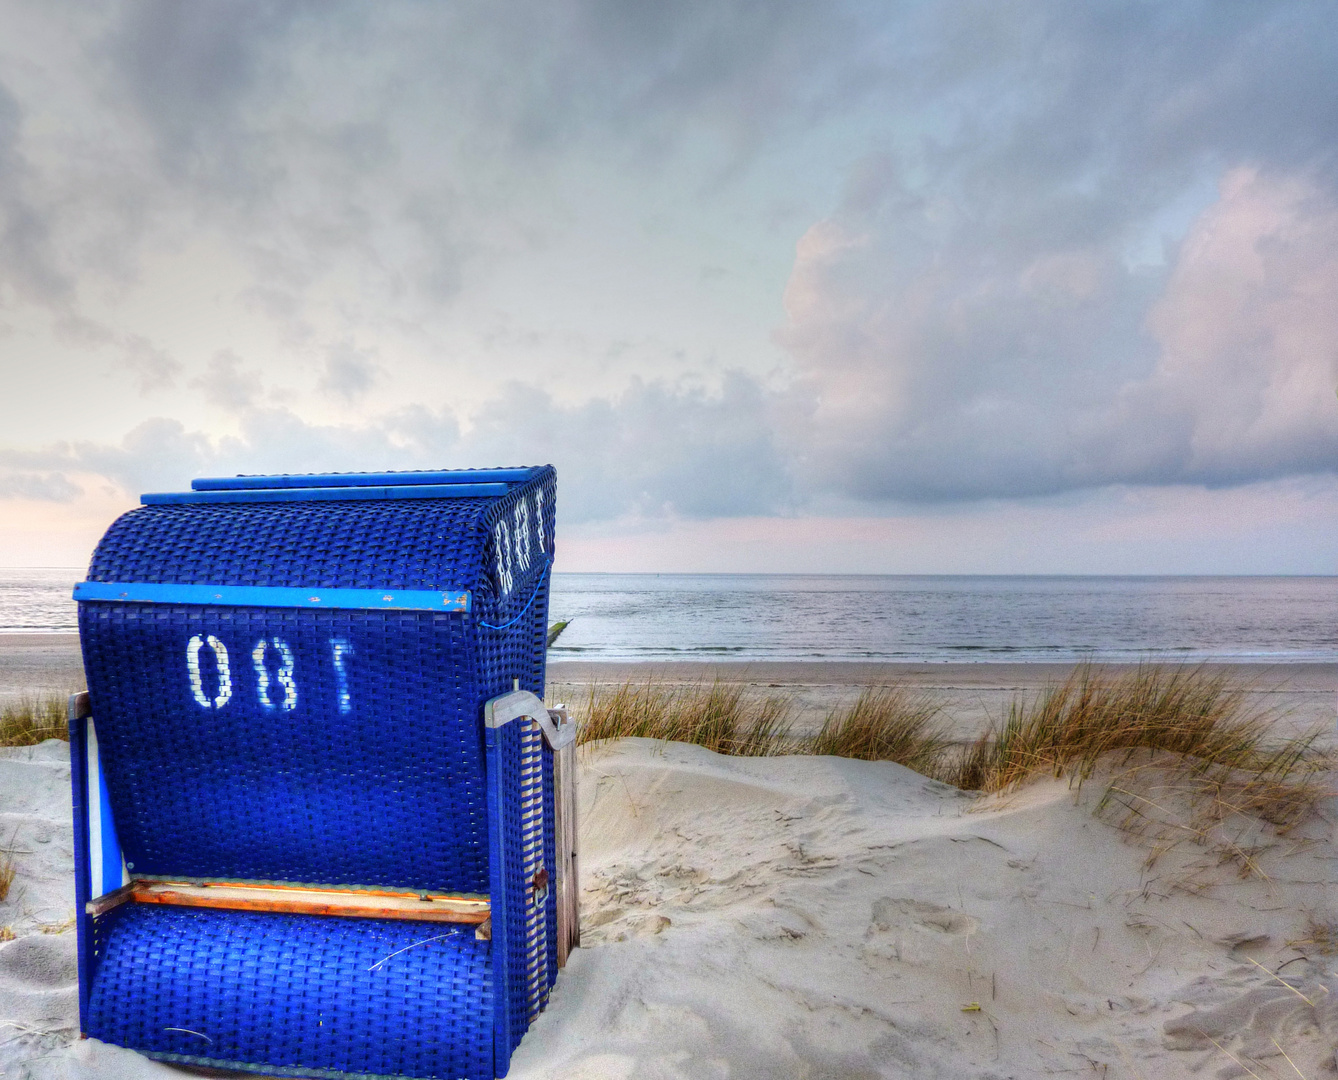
x: 813, y: 917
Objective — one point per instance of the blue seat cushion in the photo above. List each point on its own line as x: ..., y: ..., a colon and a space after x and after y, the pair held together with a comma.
x: 296, y: 995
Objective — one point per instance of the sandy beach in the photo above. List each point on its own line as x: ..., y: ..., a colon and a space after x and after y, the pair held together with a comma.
x: 33, y: 664
x: 821, y: 918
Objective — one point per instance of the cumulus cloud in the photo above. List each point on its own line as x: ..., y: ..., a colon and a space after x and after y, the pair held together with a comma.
x: 153, y: 456
x: 652, y: 451
x: 1247, y: 331
x: 934, y: 369
x: 1049, y: 294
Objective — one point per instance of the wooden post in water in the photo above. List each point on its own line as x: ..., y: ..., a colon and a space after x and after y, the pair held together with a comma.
x: 568, y: 882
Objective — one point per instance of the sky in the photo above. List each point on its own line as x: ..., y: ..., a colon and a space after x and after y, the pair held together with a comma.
x: 947, y: 286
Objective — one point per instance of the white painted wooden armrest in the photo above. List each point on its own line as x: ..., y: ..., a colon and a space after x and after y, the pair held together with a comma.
x: 558, y: 728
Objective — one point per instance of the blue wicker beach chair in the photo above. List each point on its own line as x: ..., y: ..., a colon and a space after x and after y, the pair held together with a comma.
x: 318, y: 831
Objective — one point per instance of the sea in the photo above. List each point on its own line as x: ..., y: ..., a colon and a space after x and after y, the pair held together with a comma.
x: 753, y: 617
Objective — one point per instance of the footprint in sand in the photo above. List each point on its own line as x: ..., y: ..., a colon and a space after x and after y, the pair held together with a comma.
x: 1295, y: 1017
x: 912, y: 931
x: 40, y: 990
x: 45, y: 960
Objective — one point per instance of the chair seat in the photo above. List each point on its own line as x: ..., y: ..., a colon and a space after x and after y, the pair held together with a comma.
x: 297, y: 995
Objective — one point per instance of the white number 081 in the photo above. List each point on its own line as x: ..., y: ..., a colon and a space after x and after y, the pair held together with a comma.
x: 276, y: 692
x: 518, y: 542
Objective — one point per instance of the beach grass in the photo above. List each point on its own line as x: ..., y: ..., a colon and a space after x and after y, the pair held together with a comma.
x: 1193, y: 720
x: 885, y: 723
x: 1182, y: 721
x: 33, y: 720
x: 882, y: 724
x: 1069, y: 727
x: 717, y: 716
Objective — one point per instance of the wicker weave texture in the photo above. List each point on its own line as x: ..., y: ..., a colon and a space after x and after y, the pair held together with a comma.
x: 296, y: 991
x: 416, y: 544
x: 388, y: 793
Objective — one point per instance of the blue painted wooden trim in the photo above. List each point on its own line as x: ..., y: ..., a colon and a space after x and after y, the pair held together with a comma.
x: 111, y: 870
x: 382, y: 479
x: 329, y: 494
x: 262, y: 596
x: 83, y: 922
x: 497, y: 894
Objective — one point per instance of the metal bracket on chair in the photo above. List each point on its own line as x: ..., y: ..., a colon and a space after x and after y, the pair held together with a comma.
x: 559, y: 730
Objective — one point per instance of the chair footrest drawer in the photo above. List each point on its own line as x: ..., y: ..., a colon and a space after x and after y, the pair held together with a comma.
x: 299, y: 995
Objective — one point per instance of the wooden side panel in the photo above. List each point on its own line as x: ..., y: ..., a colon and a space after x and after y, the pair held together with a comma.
x: 568, y: 870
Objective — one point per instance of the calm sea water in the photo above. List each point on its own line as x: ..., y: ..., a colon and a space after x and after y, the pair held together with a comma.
x: 785, y: 617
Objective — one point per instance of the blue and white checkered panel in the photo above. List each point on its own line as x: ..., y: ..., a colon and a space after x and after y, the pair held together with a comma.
x: 107, y: 868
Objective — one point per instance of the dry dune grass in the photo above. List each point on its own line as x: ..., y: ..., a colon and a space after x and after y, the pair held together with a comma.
x: 1188, y: 712
x: 34, y: 720
x: 1186, y: 722
x: 885, y: 723
x: 718, y: 717
x: 882, y: 724
x: 1189, y: 723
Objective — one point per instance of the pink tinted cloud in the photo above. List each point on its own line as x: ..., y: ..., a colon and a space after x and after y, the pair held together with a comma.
x: 935, y: 362
x: 1248, y: 328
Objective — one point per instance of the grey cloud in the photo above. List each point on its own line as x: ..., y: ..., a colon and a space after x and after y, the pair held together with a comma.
x: 652, y: 73
x: 935, y: 367
x: 43, y: 487
x: 28, y: 267
x: 312, y: 129
x: 349, y: 371
x: 655, y: 450
x: 152, y: 368
x: 226, y: 384
x: 191, y: 68
x: 1070, y: 116
x: 203, y: 74
x: 403, y: 141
